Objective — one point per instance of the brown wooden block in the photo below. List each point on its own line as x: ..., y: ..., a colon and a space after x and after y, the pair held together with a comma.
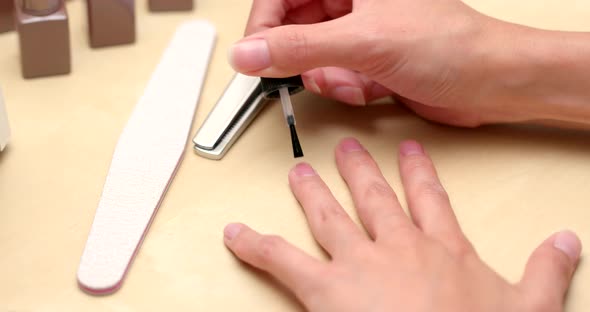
x: 44, y: 37
x: 170, y: 5
x: 6, y: 15
x: 111, y: 22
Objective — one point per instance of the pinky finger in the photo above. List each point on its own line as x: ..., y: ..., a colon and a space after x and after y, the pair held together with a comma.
x: 290, y: 265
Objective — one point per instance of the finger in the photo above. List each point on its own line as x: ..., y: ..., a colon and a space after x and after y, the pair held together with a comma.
x: 287, y: 263
x: 309, y: 13
x: 318, y: 11
x: 330, y: 224
x: 428, y: 202
x: 344, y: 85
x: 374, y: 199
x: 293, y: 49
x: 550, y: 269
x: 337, y: 8
x: 266, y: 14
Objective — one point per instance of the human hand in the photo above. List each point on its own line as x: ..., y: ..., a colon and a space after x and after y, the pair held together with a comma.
x: 422, y: 263
x: 442, y: 59
x: 357, y: 51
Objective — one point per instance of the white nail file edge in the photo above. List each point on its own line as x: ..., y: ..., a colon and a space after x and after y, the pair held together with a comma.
x: 145, y: 158
x: 4, y: 128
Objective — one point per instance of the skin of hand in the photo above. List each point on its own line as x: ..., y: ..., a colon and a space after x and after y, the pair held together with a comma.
x: 442, y: 59
x: 418, y: 263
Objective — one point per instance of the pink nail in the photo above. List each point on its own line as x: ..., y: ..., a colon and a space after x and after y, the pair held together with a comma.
x: 304, y: 170
x: 250, y: 55
x: 569, y: 243
x: 350, y: 95
x: 410, y: 148
x: 351, y: 145
x: 313, y: 85
x: 232, y: 230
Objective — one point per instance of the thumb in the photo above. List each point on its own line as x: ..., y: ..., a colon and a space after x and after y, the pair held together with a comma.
x: 550, y: 269
x: 293, y: 49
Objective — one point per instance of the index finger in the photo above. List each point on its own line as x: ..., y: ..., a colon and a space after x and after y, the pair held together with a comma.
x: 267, y: 14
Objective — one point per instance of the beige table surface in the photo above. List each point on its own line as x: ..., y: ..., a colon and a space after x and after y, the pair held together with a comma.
x: 510, y: 186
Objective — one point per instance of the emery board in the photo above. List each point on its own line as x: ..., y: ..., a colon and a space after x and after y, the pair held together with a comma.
x: 146, y: 158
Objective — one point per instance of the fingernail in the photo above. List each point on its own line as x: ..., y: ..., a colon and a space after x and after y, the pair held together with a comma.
x: 351, y: 145
x: 304, y: 170
x: 350, y: 95
x: 569, y: 243
x: 231, y: 230
x: 409, y: 148
x: 249, y: 55
x: 313, y: 86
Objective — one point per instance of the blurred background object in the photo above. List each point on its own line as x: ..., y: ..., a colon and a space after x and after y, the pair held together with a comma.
x: 6, y: 15
x: 4, y: 128
x: 44, y: 37
x: 111, y: 22
x: 170, y: 5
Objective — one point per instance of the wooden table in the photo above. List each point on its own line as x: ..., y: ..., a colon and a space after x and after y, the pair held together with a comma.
x: 511, y: 186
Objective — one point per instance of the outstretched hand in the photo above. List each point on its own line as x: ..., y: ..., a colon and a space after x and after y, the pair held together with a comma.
x: 417, y: 263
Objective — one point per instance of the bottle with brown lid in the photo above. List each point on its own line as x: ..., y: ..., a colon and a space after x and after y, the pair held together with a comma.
x: 171, y: 5
x: 6, y: 13
x: 44, y: 37
x: 111, y: 22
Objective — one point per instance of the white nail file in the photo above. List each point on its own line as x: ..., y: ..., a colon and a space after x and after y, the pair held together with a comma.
x: 145, y: 158
x: 4, y: 128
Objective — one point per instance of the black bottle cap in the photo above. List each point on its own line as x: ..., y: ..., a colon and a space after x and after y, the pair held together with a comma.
x: 271, y: 86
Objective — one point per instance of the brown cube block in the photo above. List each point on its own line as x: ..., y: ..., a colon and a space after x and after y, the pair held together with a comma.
x: 171, y: 5
x: 6, y: 15
x: 111, y: 22
x: 44, y: 40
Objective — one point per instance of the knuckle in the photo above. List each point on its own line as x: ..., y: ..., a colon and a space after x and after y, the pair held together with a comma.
x: 417, y: 163
x: 311, y: 186
x: 463, y: 250
x: 432, y: 189
x: 361, y: 161
x: 379, y: 189
x: 241, y: 247
x: 378, y: 57
x: 295, y: 44
x: 328, y: 213
x: 268, y: 247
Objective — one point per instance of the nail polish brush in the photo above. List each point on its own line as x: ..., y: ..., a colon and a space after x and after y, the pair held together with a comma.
x: 283, y: 88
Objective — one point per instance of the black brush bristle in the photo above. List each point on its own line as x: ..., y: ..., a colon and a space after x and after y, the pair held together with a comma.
x: 297, y: 151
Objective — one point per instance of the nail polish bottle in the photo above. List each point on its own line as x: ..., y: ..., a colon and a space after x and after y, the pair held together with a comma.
x: 170, y: 5
x: 44, y: 37
x: 111, y: 22
x: 6, y: 13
